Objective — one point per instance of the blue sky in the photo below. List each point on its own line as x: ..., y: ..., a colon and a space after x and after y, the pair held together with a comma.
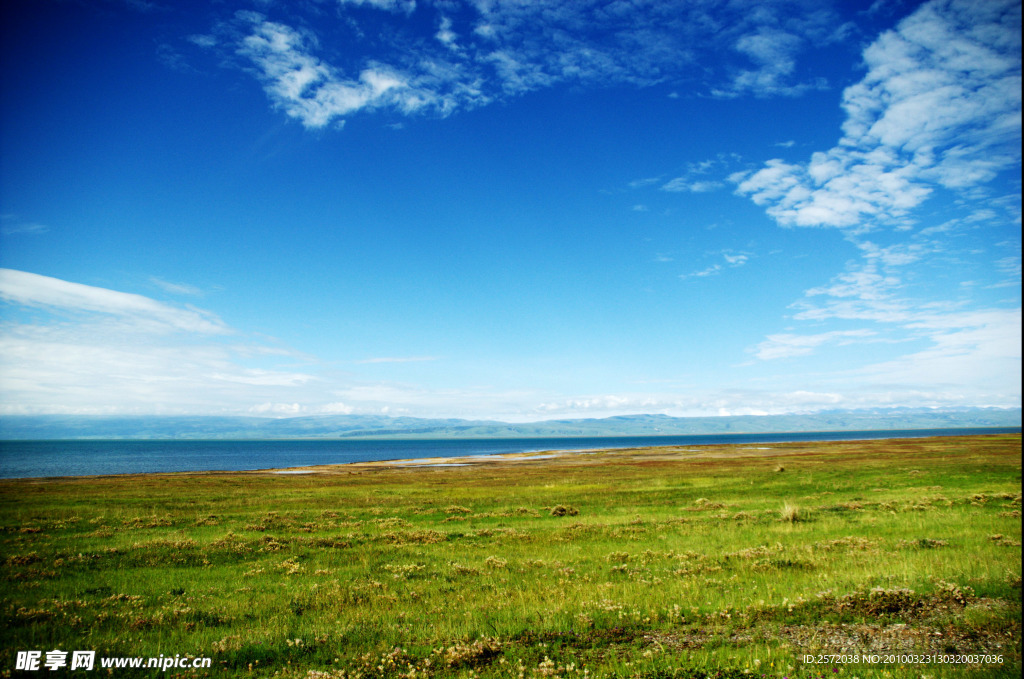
x: 508, y: 209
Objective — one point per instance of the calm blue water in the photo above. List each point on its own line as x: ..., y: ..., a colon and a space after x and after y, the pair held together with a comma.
x: 30, y: 459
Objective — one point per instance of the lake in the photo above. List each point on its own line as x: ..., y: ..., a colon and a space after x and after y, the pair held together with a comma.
x: 32, y: 459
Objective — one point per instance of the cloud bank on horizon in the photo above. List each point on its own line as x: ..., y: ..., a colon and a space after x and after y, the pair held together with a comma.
x: 869, y: 257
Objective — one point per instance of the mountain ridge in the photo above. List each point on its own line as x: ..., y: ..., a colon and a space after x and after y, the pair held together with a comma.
x: 71, y: 427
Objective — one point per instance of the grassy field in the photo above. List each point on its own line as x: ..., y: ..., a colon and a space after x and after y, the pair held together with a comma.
x: 725, y: 561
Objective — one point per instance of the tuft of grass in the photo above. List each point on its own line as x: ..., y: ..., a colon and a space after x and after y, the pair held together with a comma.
x: 790, y: 513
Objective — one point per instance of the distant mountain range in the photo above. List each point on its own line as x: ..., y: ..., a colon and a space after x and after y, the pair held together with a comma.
x: 22, y: 427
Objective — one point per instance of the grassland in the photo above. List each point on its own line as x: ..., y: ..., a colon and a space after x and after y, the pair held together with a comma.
x: 720, y: 561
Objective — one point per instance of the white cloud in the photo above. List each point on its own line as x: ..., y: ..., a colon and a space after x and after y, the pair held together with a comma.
x: 263, y: 378
x: 482, y: 51
x: 68, y: 347
x: 939, y: 107
x: 612, y: 403
x: 900, y: 254
x: 704, y: 273
x: 972, y: 356
x: 399, y: 359
x: 337, y: 408
x: 33, y: 290
x: 789, y: 345
x: 446, y: 35
x: 937, y: 110
x: 203, y: 40
x: 11, y: 225
x: 697, y: 403
x: 1010, y: 266
x: 309, y: 89
x: 972, y: 351
x: 680, y: 184
x: 281, y: 409
x: 695, y: 177
x: 406, y: 6
x: 732, y: 259
x: 774, y: 52
x: 175, y: 288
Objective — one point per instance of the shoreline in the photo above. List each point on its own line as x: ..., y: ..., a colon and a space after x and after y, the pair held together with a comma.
x: 691, y: 450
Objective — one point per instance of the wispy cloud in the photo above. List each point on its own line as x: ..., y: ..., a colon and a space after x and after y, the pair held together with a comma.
x: 309, y: 89
x: 732, y: 259
x: 703, y: 273
x: 1010, y: 266
x: 406, y: 6
x: 939, y: 107
x: 967, y: 348
x: 202, y: 40
x: 736, y: 258
x: 789, y: 345
x: 399, y: 359
x: 482, y: 51
x: 702, y: 177
x: 11, y: 225
x: 81, y: 341
x: 679, y: 185
x: 278, y: 409
x: 176, y: 288
x: 721, y: 402
x: 34, y: 290
x: 773, y: 51
x: 937, y: 110
x: 69, y: 347
x: 445, y: 35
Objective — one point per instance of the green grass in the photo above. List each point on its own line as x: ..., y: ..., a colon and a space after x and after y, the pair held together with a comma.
x: 668, y: 562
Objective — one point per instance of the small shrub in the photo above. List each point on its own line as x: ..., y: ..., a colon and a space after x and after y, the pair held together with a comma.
x: 459, y: 569
x: 880, y: 601
x: 952, y: 592
x: 291, y: 566
x: 403, y: 572
x: 791, y: 513
x: 468, y: 653
x: 562, y: 510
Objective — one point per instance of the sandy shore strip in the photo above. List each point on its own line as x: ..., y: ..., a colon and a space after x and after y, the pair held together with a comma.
x: 432, y: 462
x: 585, y: 456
